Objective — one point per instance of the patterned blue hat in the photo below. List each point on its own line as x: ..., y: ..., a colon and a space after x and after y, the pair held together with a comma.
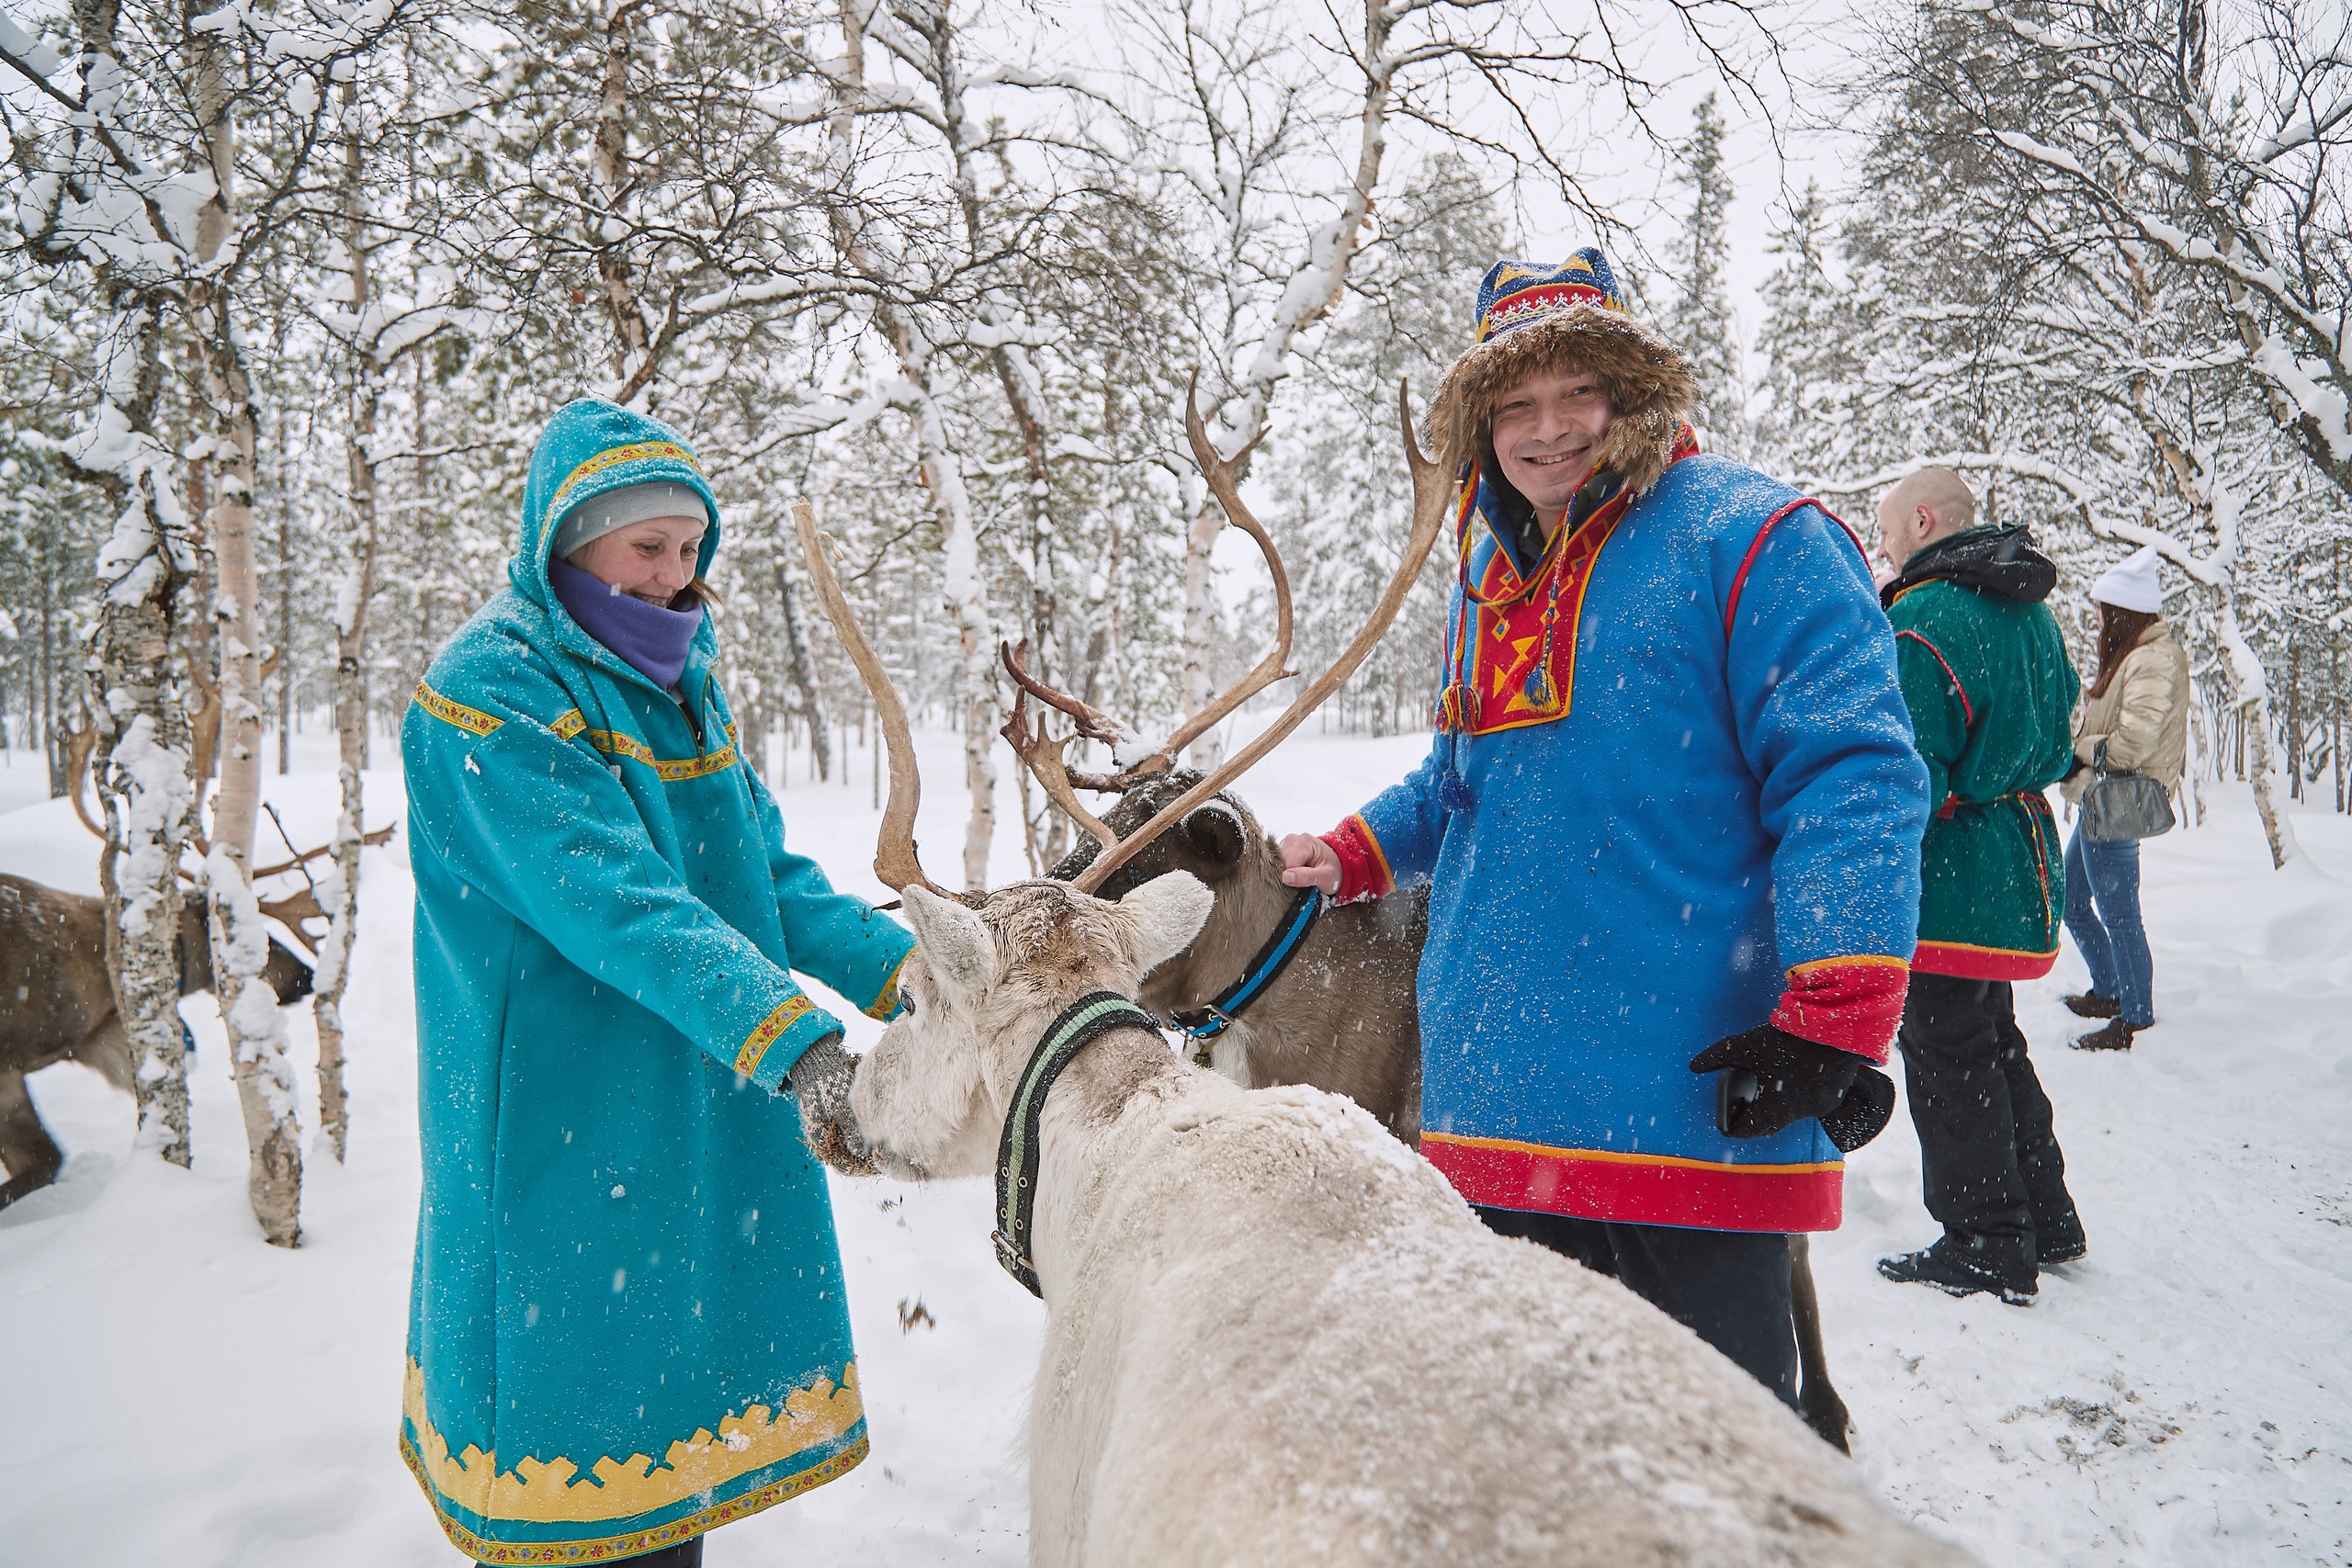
x: 1516, y: 294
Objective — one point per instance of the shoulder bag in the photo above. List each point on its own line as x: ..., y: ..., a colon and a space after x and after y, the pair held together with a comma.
x: 2121, y: 806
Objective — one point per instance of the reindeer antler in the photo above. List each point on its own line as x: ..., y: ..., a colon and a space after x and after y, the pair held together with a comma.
x: 1093, y: 723
x: 895, y: 860
x: 1432, y: 500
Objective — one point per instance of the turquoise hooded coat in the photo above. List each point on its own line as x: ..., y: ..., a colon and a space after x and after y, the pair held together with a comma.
x: 626, y: 1324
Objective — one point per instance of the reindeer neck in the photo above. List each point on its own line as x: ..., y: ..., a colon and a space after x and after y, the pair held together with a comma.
x: 1094, y: 1093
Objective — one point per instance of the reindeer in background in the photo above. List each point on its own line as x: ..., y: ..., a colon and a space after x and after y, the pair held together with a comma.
x: 57, y: 1005
x: 1272, y: 1333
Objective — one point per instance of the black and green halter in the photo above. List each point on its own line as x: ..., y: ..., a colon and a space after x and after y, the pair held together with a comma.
x: 1081, y: 1023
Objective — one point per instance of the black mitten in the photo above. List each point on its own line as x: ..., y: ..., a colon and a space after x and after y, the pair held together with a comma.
x: 1772, y: 1078
x: 1862, y: 1115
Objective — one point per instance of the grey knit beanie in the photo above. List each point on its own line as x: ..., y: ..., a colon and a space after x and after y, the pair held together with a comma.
x: 600, y: 515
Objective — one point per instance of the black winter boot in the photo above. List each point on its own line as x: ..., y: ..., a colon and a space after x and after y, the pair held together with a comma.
x: 1964, y: 1263
x: 2060, y: 1241
x: 2116, y: 1036
x: 2091, y: 1004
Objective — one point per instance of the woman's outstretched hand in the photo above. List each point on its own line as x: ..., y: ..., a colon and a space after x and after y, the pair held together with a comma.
x: 1308, y: 861
x: 821, y: 1081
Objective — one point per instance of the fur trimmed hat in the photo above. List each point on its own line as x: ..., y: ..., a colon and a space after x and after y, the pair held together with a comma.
x: 1533, y: 318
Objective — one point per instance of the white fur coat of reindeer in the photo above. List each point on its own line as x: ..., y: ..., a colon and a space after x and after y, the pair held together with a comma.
x: 1276, y: 1335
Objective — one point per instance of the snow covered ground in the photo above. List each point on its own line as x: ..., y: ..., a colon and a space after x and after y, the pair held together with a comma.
x: 173, y: 1391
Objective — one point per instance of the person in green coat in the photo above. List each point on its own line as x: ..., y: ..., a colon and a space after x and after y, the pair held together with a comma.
x: 1985, y: 672
x: 626, y: 1323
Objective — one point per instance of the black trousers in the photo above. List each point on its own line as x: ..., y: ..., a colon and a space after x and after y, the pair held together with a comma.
x: 1730, y: 1288
x: 1989, y: 1161
x: 685, y: 1554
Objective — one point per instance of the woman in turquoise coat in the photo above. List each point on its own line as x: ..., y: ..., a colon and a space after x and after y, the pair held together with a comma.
x: 625, y: 1326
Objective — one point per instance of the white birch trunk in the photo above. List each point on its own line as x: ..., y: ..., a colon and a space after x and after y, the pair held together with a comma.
x: 1313, y: 288
x: 341, y: 891
x: 966, y: 594
x: 258, y: 1043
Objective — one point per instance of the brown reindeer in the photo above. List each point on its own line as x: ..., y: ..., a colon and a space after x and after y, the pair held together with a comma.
x: 1340, y: 1014
x: 57, y: 1005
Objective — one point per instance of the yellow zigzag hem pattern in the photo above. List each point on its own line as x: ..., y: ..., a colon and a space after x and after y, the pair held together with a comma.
x: 771, y: 1029
x: 635, y: 1543
x: 474, y: 721
x: 538, y: 1491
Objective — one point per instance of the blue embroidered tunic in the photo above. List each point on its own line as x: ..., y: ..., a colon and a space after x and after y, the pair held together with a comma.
x: 626, y: 1324
x: 1684, y: 800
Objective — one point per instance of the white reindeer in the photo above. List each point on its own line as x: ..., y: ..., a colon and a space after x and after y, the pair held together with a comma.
x: 1273, y: 1334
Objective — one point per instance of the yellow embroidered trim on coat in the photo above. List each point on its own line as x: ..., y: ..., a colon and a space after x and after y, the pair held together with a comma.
x: 569, y: 725
x: 887, y: 1002
x: 629, y: 454
x: 637, y: 1544
x: 543, y: 1492
x: 613, y: 743
x: 771, y: 1029
x: 474, y: 721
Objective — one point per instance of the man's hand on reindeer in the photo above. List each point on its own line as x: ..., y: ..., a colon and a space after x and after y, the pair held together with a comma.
x: 821, y: 1081
x: 1308, y: 861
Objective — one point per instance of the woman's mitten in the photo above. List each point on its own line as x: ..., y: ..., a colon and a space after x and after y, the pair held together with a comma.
x: 821, y: 1081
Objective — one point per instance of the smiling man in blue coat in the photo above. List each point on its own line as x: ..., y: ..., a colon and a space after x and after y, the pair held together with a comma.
x: 1671, y: 817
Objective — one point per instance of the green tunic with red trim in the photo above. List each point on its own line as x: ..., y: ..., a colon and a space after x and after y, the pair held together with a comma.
x: 1992, y: 693
x: 625, y: 1321
x: 1673, y: 794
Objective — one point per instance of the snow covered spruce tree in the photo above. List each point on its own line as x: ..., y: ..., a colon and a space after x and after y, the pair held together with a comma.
x: 1700, y: 320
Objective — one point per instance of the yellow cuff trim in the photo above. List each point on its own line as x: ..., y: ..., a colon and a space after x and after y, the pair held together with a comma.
x: 569, y: 725
x: 474, y: 721
x: 771, y: 1029
x: 886, y: 1003
x: 1796, y: 969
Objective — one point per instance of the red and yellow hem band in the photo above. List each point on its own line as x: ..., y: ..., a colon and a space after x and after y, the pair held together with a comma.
x: 1851, y: 1003
x: 1965, y: 961
x: 1646, y: 1189
x: 632, y: 1543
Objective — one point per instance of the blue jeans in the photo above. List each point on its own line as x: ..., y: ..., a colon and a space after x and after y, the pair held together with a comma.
x: 2103, y: 916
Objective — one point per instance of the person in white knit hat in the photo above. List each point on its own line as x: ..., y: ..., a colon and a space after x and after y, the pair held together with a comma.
x: 2136, y: 709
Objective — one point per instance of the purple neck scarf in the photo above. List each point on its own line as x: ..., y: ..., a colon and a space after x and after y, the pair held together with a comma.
x: 652, y: 639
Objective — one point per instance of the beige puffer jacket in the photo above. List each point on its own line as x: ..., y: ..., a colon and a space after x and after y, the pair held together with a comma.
x: 2142, y: 716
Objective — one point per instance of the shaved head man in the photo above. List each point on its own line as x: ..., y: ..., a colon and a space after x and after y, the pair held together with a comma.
x: 1931, y: 504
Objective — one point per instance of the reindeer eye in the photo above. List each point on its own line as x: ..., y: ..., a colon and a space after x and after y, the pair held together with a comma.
x: 906, y: 1000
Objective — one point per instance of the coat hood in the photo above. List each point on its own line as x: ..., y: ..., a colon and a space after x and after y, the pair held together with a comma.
x: 1992, y: 561
x: 591, y: 446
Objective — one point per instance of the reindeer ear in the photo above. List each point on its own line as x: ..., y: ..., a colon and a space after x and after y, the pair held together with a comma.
x: 1216, y: 833
x: 956, y: 947
x: 1164, y: 916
